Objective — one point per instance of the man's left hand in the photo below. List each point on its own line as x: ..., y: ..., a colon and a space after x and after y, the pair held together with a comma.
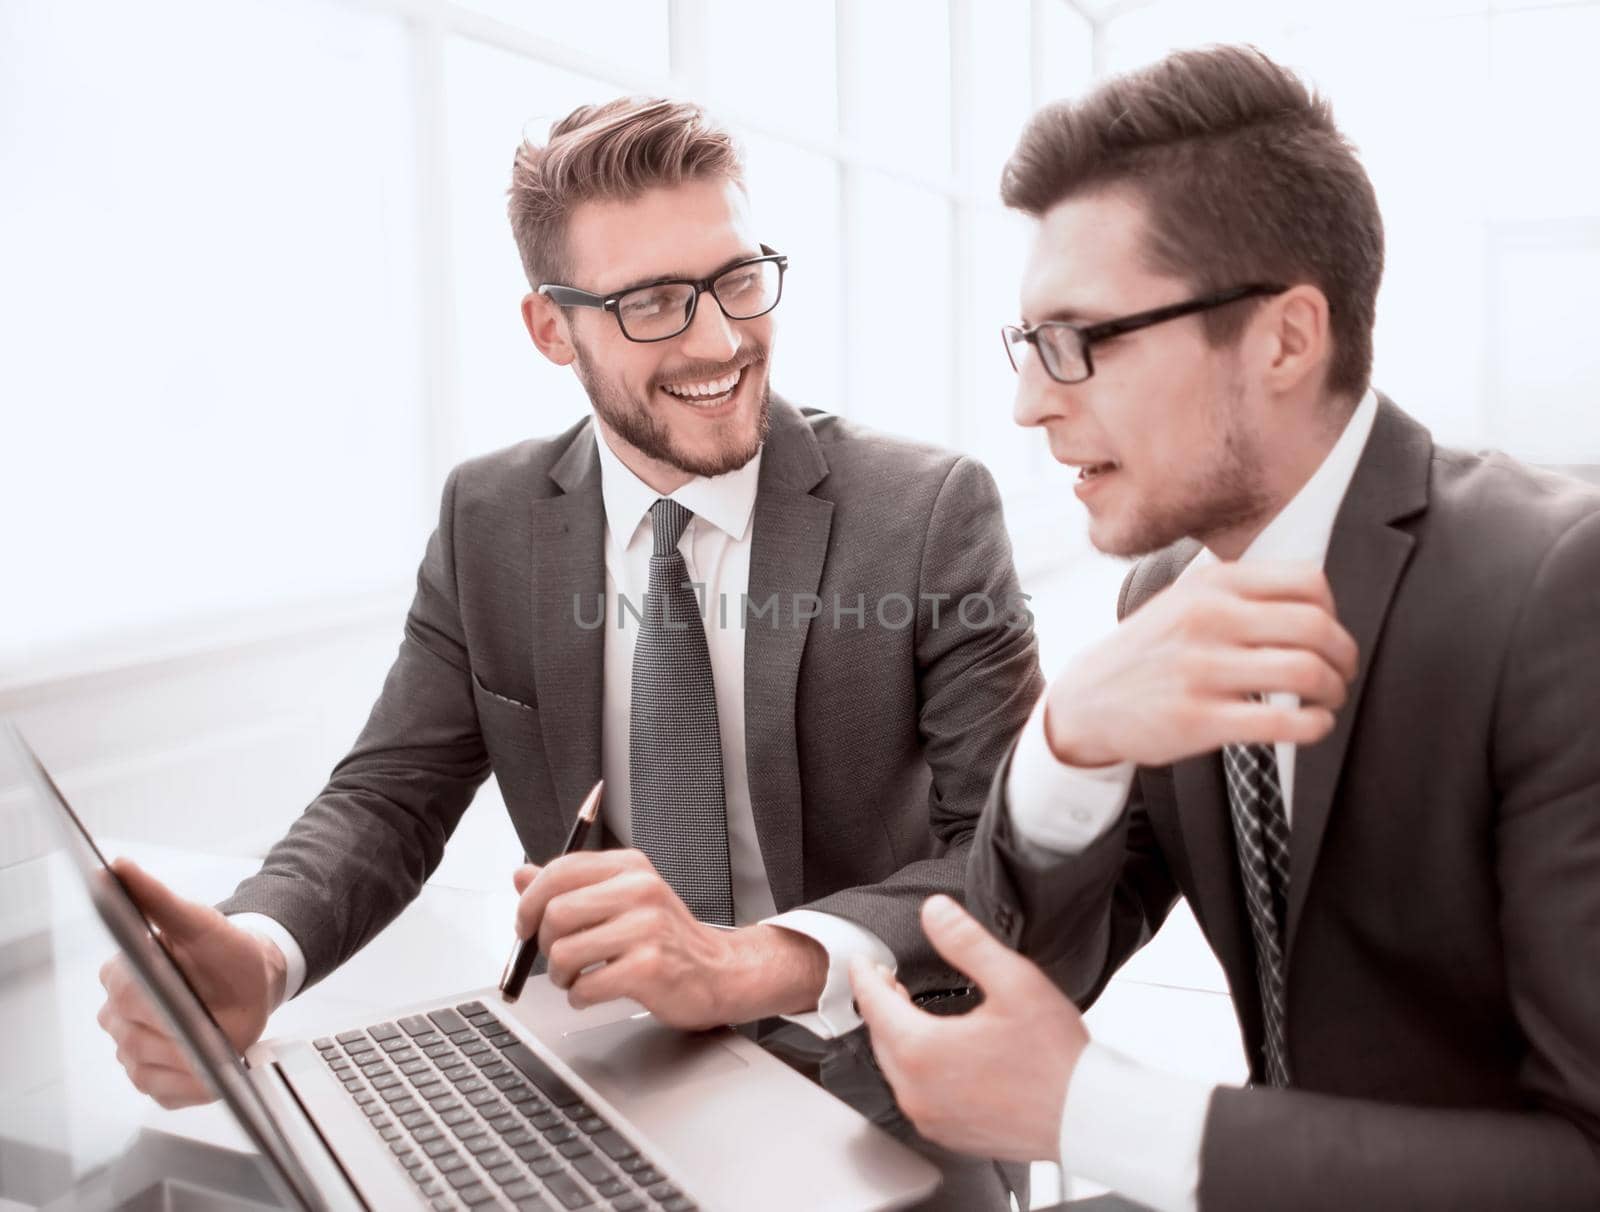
x: 991, y: 1082
x: 609, y: 927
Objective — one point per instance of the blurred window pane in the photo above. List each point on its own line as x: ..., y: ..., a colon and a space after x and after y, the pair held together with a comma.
x: 507, y: 390
x: 630, y: 33
x: 902, y: 82
x: 795, y: 199
x: 780, y: 67
x: 1008, y: 449
x: 1546, y: 360
x: 1544, y: 95
x: 901, y: 305
x: 997, y: 40
x: 212, y: 298
x: 1063, y: 52
x: 1431, y: 310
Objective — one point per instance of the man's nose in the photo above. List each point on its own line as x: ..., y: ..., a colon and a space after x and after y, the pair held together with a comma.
x: 1039, y: 398
x: 711, y: 336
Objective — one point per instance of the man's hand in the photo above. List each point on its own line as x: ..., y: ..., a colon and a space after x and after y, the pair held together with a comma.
x: 238, y: 975
x: 1175, y: 679
x: 609, y: 926
x: 991, y: 1082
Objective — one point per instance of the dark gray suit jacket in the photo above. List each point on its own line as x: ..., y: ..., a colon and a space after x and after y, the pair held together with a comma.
x: 1444, y: 898
x: 870, y: 750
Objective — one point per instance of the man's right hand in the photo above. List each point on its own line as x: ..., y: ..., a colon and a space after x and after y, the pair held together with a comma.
x: 239, y: 976
x: 1175, y: 679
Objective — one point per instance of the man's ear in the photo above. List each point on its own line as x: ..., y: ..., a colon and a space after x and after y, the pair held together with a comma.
x: 548, y: 325
x: 1300, y: 343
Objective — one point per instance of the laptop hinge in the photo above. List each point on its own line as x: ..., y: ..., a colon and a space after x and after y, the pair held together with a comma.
x: 310, y: 1123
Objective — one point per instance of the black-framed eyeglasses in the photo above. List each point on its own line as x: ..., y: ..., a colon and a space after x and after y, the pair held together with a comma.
x: 659, y: 311
x: 1064, y: 347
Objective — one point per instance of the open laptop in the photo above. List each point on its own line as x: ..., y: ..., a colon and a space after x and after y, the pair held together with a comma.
x: 470, y: 1103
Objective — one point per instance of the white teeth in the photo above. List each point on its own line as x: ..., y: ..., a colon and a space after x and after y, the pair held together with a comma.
x: 1092, y: 470
x: 705, y: 389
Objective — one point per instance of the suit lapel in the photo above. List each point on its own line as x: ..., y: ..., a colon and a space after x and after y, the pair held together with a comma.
x: 1202, y: 802
x: 568, y: 584
x: 1201, y: 796
x: 789, y: 545
x: 1207, y: 826
x: 1366, y: 556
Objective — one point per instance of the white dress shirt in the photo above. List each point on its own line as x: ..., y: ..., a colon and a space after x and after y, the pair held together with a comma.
x: 716, y: 548
x: 1125, y: 1125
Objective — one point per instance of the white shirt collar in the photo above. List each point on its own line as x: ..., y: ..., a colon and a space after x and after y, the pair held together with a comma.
x: 725, y: 501
x: 1302, y: 529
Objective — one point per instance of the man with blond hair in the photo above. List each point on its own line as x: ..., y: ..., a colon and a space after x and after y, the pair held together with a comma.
x: 795, y: 651
x: 1348, y: 714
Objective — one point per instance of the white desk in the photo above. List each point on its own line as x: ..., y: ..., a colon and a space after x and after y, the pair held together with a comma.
x: 66, y: 1111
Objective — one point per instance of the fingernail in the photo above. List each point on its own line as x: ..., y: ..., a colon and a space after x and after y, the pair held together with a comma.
x: 941, y: 906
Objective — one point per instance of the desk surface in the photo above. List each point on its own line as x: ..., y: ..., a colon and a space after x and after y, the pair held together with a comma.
x: 66, y: 1111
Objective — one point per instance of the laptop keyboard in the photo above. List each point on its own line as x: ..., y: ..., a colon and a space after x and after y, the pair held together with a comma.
x: 480, y: 1121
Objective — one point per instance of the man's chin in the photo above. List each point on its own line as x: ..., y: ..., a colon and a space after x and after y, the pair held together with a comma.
x: 716, y: 458
x: 1110, y: 542
x: 669, y: 434
x: 729, y: 445
x: 1130, y: 538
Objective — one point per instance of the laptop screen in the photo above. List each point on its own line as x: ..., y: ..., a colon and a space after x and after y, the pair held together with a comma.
x: 209, y: 1049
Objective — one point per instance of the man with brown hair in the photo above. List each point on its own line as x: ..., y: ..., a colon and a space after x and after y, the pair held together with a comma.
x: 1345, y: 715
x: 793, y: 649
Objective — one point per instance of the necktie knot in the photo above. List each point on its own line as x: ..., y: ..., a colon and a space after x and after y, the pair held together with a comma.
x: 668, y: 521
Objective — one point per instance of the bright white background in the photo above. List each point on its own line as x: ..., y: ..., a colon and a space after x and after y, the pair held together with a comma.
x: 258, y: 295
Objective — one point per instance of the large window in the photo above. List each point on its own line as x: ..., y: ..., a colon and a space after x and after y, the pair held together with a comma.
x: 212, y: 391
x: 260, y: 290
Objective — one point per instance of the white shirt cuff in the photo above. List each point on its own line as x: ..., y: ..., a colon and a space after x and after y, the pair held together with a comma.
x: 294, y: 960
x: 1135, y: 1129
x: 843, y: 940
x: 1056, y: 807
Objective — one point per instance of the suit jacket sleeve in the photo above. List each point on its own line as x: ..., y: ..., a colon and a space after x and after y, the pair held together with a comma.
x: 1278, y: 1149
x: 361, y: 852
x: 977, y: 680
x: 1078, y: 916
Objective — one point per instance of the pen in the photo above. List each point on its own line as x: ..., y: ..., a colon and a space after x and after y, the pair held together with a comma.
x: 522, y: 955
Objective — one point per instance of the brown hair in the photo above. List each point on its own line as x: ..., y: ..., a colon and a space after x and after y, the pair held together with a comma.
x: 1245, y: 178
x: 615, y: 151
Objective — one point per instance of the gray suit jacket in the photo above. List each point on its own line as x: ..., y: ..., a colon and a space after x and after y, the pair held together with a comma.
x: 869, y: 750
x: 1443, y: 941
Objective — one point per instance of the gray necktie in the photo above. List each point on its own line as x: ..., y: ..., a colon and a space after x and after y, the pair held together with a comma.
x: 678, y: 813
x: 1261, y: 833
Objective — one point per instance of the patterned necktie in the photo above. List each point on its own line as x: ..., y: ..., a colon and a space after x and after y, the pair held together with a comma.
x: 678, y: 814
x: 1261, y: 833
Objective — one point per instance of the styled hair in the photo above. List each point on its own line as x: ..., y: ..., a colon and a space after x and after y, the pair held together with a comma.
x: 1245, y: 179
x: 613, y: 151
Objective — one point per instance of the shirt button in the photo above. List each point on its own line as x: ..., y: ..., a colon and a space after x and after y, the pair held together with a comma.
x: 1080, y: 815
